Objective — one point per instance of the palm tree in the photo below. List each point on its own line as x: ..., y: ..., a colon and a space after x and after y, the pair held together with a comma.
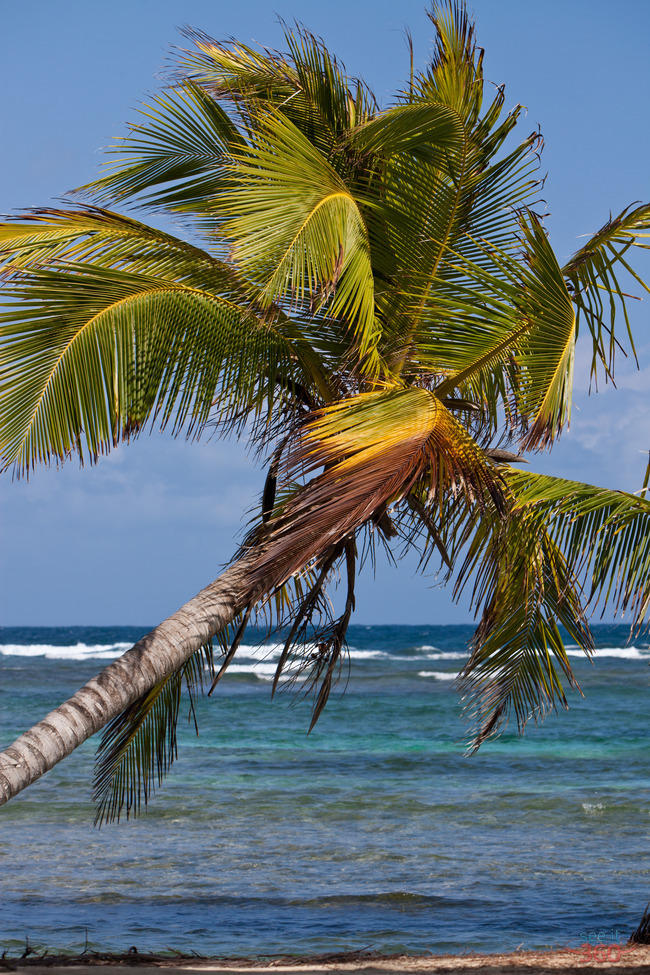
x: 376, y: 307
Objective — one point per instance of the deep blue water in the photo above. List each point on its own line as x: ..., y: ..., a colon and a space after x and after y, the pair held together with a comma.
x: 374, y: 831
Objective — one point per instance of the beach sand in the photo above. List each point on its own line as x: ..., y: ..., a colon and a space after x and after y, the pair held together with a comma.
x: 634, y: 960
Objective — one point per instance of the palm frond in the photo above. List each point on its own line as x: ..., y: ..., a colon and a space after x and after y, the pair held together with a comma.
x: 49, y: 236
x: 173, y: 159
x: 467, y: 206
x: 527, y: 589
x: 593, y: 274
x: 233, y: 71
x: 90, y: 354
x: 455, y: 75
x: 503, y: 337
x: 139, y: 747
x: 373, y: 448
x: 330, y: 102
x: 604, y: 535
x: 427, y: 132
x: 298, y: 231
x: 546, y: 354
x: 464, y: 208
x: 307, y: 84
x: 565, y: 547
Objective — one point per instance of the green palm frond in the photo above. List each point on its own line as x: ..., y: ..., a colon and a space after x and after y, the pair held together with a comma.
x: 297, y: 230
x: 427, y: 132
x: 173, y: 158
x: 89, y: 354
x: 238, y: 72
x: 49, y: 236
x: 439, y: 217
x: 604, y: 535
x: 528, y: 590
x: 307, y: 84
x: 334, y: 101
x: 566, y: 546
x: 455, y: 75
x: 503, y: 337
x: 593, y: 274
x: 547, y: 348
x: 139, y: 747
x: 472, y: 205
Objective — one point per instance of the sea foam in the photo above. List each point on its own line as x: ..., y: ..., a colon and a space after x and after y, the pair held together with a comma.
x: 261, y: 671
x: 621, y: 653
x: 79, y: 651
x: 438, y: 674
x: 271, y: 651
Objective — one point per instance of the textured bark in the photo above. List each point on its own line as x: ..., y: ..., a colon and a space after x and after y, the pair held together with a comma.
x: 156, y: 655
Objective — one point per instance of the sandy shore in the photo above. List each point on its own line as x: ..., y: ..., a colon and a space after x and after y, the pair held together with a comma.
x: 622, y: 958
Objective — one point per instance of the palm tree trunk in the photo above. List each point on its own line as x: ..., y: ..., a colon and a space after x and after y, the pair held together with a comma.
x: 158, y: 654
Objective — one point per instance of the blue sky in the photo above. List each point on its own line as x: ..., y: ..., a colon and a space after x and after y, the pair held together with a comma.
x: 133, y: 538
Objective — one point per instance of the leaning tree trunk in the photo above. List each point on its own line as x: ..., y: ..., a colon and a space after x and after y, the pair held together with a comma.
x: 288, y: 543
x: 157, y: 655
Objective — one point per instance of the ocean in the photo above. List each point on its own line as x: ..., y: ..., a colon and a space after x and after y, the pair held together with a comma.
x: 375, y: 831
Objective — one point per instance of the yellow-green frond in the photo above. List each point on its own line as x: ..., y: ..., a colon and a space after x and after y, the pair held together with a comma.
x: 545, y: 357
x: 90, y: 354
x: 296, y: 229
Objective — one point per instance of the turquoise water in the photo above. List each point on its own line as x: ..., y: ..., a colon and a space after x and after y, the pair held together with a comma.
x: 373, y: 832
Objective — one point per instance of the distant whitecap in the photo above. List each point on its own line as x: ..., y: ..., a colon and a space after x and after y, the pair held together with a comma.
x: 79, y: 651
x: 621, y: 653
x: 438, y: 674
